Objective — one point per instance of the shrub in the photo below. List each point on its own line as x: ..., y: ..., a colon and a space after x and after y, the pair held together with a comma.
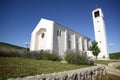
x: 46, y: 55
x: 41, y: 55
x: 74, y: 58
x: 10, y: 54
x: 28, y: 55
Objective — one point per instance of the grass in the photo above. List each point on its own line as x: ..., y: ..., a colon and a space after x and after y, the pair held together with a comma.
x: 118, y: 67
x: 109, y: 77
x: 106, y: 62
x: 13, y: 67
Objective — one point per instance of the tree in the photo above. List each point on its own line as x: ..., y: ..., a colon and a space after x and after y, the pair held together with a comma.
x: 94, y: 48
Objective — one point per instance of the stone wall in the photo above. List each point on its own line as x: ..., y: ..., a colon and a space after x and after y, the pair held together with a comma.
x: 90, y: 73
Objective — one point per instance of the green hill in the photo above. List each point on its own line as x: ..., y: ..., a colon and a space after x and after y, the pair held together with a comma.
x: 115, y: 55
x: 9, y: 49
x: 6, y: 46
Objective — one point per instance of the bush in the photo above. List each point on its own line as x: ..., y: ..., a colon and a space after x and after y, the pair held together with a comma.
x: 10, y: 54
x: 75, y: 58
x: 46, y: 55
x: 42, y: 55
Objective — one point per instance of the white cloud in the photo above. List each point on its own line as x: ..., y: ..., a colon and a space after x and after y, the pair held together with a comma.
x: 111, y: 44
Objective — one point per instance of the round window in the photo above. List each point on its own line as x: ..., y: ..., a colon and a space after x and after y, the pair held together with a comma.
x: 43, y: 35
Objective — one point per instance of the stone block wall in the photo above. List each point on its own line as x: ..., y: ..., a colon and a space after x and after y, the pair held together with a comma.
x: 90, y: 73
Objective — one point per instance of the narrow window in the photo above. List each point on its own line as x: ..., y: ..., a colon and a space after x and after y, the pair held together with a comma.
x: 69, y: 44
x: 58, y: 33
x: 77, y: 43
x: 69, y: 41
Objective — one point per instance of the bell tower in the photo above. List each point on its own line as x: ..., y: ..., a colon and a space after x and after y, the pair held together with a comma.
x: 100, y: 33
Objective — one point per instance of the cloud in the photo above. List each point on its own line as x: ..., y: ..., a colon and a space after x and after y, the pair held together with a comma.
x: 111, y: 44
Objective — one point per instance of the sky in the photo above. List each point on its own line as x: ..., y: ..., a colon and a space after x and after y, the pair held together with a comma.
x: 18, y: 18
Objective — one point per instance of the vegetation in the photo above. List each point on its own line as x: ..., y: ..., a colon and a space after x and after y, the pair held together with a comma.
x: 13, y: 67
x: 16, y: 62
x: 115, y: 55
x: 106, y: 62
x: 118, y: 67
x: 94, y: 48
x: 74, y: 58
x: 9, y: 50
x: 6, y: 46
x: 109, y: 77
x: 41, y: 55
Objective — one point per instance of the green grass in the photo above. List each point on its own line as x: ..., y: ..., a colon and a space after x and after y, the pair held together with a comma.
x: 12, y: 67
x: 106, y: 62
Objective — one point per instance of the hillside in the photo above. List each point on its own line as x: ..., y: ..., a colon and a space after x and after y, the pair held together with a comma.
x: 115, y: 55
x: 8, y: 49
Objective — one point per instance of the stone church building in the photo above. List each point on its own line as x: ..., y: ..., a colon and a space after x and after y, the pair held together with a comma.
x: 52, y: 36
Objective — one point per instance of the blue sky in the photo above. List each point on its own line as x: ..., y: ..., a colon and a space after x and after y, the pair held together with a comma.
x: 18, y: 18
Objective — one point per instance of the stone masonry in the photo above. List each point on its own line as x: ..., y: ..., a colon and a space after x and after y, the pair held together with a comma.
x: 89, y: 73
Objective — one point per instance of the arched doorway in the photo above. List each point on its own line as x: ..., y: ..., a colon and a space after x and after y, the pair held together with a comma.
x: 41, y: 39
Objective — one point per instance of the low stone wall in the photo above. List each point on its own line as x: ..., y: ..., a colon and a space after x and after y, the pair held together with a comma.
x: 90, y: 73
x: 111, y: 68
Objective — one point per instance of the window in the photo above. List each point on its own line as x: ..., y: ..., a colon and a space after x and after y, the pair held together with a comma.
x: 97, y: 14
x: 69, y: 41
x: 77, y: 43
x: 58, y: 33
x: 83, y: 45
x: 69, y: 44
x: 42, y: 35
x: 97, y: 21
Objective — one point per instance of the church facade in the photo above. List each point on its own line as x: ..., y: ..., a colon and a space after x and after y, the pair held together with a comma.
x: 52, y: 36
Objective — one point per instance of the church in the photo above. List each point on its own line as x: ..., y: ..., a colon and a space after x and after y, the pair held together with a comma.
x: 52, y: 36
x: 56, y: 38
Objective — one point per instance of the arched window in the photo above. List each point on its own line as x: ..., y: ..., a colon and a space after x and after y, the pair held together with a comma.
x: 42, y: 35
